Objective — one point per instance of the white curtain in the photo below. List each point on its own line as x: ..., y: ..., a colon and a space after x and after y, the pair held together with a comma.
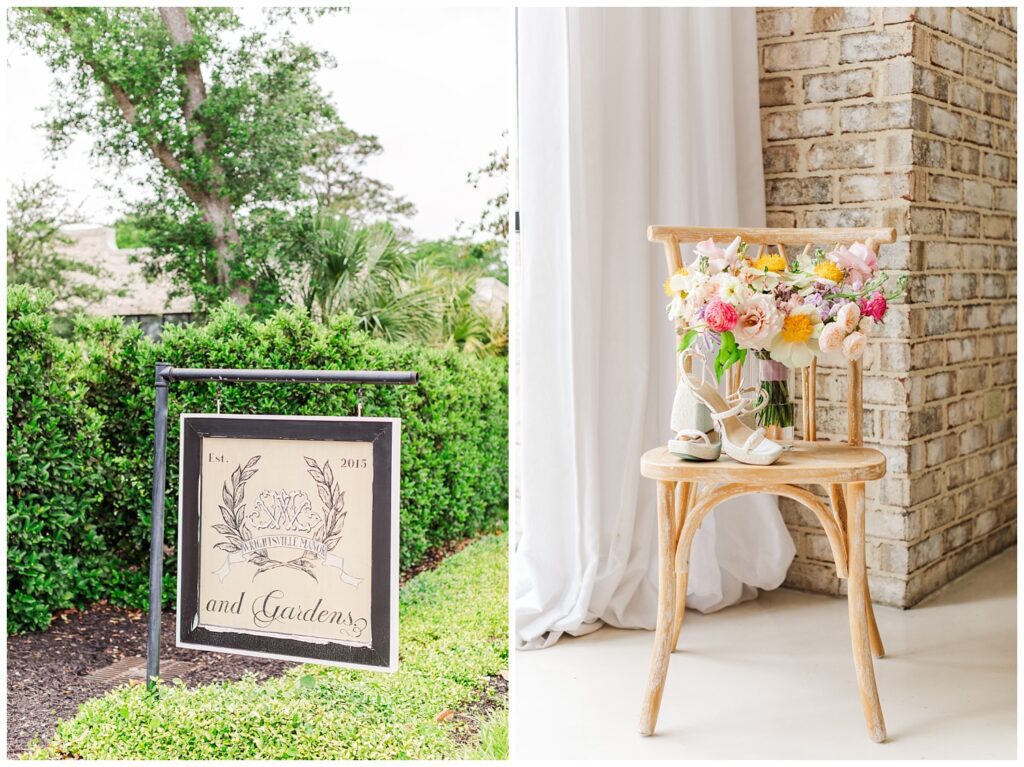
x: 627, y: 117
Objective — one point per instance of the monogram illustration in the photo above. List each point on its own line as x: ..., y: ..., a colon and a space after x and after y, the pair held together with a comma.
x: 282, y: 519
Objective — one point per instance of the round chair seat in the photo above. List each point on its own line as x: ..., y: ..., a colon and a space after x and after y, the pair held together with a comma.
x: 807, y: 462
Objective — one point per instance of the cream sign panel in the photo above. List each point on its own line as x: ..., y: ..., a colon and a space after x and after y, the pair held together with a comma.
x: 288, y: 528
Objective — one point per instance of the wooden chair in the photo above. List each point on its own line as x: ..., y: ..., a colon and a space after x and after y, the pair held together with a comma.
x: 688, y: 491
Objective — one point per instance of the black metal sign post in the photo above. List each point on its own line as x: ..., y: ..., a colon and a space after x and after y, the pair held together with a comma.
x: 165, y: 374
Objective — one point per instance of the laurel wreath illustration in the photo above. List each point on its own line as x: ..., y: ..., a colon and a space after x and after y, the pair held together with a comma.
x: 237, y: 533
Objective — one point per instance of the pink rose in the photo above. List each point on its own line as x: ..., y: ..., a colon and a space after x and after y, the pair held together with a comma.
x: 758, y: 323
x: 853, y: 346
x: 720, y: 316
x: 874, y: 306
x: 832, y: 337
x: 858, y: 261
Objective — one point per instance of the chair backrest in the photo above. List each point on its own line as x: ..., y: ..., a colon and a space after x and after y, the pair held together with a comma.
x: 672, y: 237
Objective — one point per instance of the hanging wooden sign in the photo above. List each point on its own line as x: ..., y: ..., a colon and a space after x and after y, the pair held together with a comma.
x: 288, y: 538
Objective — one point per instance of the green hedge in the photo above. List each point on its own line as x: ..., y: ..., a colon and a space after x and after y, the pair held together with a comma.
x: 81, y: 438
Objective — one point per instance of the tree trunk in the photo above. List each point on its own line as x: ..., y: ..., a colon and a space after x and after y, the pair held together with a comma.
x: 216, y: 208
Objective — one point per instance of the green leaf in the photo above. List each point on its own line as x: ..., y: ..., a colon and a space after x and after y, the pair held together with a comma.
x: 688, y: 338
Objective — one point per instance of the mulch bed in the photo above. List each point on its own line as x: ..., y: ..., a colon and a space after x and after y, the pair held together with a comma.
x: 47, y: 671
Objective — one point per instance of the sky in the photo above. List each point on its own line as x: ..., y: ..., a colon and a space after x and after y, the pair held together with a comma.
x: 433, y: 84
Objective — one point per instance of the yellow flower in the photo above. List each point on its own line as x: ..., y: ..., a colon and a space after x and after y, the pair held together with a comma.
x: 797, y: 328
x: 829, y: 271
x: 773, y: 262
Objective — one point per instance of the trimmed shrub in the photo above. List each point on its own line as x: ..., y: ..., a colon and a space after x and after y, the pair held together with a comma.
x: 54, y: 549
x: 454, y: 423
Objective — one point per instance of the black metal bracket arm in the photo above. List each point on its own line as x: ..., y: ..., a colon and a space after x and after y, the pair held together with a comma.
x: 165, y: 375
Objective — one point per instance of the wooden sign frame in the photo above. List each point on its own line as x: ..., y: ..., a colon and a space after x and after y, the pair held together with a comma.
x: 384, y: 434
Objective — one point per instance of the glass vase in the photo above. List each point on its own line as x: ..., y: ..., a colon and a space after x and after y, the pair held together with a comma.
x: 779, y: 416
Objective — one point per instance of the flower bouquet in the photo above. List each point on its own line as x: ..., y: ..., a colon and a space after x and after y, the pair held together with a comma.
x: 821, y: 304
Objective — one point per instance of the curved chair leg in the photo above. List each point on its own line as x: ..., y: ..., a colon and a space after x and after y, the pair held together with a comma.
x: 857, y: 597
x: 684, y: 496
x: 877, y: 648
x: 666, y: 608
x: 837, y: 494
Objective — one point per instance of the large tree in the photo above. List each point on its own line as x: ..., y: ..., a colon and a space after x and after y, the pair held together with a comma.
x: 221, y: 118
x: 335, y: 175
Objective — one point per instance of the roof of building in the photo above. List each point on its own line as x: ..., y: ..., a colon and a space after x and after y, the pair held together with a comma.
x: 130, y: 293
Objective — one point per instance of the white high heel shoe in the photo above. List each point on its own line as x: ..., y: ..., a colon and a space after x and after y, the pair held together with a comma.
x: 739, y: 441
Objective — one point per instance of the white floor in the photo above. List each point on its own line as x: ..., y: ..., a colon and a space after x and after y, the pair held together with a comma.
x: 774, y: 678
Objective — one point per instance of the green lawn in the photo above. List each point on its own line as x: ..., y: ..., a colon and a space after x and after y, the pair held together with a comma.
x: 453, y: 634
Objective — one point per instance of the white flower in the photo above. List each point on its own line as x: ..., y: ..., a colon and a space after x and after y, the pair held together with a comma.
x: 797, y: 341
x: 832, y: 337
x: 848, y: 317
x: 853, y: 346
x: 758, y: 323
x: 732, y: 252
x: 866, y: 325
x: 675, y: 308
x: 729, y: 288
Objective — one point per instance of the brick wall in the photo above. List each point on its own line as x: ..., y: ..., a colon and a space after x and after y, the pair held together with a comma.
x: 905, y: 117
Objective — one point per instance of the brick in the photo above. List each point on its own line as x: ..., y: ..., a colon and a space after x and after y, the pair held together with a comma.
x: 1006, y: 198
x: 836, y: 86
x: 832, y: 19
x: 795, y: 55
x: 780, y: 219
x: 793, y: 191
x: 839, y: 218
x: 926, y: 220
x: 976, y: 130
x: 943, y: 122
x: 1006, y: 77
x: 928, y: 82
x: 876, y: 46
x: 999, y: 105
x: 978, y: 194
x: 926, y: 289
x: 1000, y: 43
x: 947, y: 55
x: 776, y: 23
x: 861, y: 187
x: 965, y: 95
x: 997, y: 167
x: 899, y: 149
x: 964, y: 159
x: 777, y: 91
x: 798, y: 124
x: 897, y: 78
x: 783, y: 158
x: 829, y: 155
x: 945, y: 189
x: 940, y: 320
x: 875, y: 117
x: 964, y: 223
x: 929, y: 152
x: 979, y: 67
x: 965, y: 28
x: 934, y: 17
x: 963, y: 286
x: 998, y: 227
